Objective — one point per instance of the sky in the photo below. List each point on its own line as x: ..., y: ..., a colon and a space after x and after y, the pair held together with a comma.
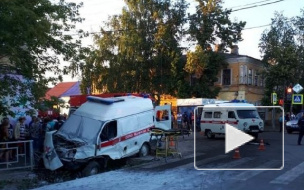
x: 257, y: 18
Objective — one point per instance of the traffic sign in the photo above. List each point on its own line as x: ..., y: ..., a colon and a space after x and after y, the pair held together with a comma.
x: 297, y: 88
x: 274, y: 98
x: 297, y: 99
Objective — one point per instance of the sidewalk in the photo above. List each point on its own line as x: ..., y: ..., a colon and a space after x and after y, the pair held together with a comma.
x: 16, y: 179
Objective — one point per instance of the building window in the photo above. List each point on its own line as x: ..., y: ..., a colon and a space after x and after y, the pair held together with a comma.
x: 241, y: 79
x: 245, y: 74
x: 256, y: 78
x: 249, y: 76
x: 226, y: 77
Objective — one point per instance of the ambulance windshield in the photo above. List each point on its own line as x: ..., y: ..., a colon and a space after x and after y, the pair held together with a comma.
x: 247, y: 114
x: 80, y: 128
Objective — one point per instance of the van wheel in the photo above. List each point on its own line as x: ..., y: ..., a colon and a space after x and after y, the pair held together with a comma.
x: 144, y: 150
x: 209, y: 134
x: 91, y: 169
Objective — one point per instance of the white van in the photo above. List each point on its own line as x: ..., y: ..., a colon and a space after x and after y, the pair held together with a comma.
x: 100, y: 129
x: 242, y: 116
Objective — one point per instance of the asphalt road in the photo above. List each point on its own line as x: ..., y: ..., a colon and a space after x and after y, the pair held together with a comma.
x: 255, y: 169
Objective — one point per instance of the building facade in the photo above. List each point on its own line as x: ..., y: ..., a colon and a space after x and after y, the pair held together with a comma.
x: 243, y: 79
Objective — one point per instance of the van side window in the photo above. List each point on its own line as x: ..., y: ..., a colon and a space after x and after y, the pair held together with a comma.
x: 109, y: 131
x: 208, y: 115
x: 217, y: 115
x: 231, y: 115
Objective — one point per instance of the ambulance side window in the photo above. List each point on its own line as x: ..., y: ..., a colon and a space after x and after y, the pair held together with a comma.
x: 217, y: 115
x: 208, y: 115
x: 109, y: 131
x: 231, y: 115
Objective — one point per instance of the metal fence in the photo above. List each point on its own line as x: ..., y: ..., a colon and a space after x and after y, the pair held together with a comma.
x: 22, y: 155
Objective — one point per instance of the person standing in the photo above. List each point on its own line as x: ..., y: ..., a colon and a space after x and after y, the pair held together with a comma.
x: 35, y: 132
x: 185, y: 121
x: 179, y: 120
x: 20, y: 129
x: 4, y: 137
x: 191, y: 121
x: 301, y: 128
x: 20, y: 133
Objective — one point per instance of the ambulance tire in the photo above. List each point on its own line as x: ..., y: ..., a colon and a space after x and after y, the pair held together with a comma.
x: 209, y: 134
x: 144, y: 150
x: 91, y: 169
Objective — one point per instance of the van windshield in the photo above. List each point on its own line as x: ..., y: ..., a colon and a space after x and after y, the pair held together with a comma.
x: 79, y: 128
x: 247, y: 114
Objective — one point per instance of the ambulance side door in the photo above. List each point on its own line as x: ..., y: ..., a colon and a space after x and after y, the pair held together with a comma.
x: 217, y: 122
x: 162, y: 115
x: 231, y: 118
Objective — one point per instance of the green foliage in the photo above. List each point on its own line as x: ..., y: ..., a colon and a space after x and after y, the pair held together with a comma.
x: 139, y: 50
x: 209, y: 25
x: 282, y: 49
x: 33, y: 38
x: 141, y: 53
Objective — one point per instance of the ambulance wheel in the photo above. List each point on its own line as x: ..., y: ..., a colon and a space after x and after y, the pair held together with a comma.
x: 91, y: 169
x: 209, y: 134
x: 144, y: 150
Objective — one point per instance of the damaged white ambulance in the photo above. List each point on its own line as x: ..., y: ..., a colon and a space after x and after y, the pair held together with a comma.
x: 102, y: 129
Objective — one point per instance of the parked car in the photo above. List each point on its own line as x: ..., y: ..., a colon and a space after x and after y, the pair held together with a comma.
x: 292, y: 125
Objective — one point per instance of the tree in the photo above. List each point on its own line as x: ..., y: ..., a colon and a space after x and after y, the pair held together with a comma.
x: 282, y: 49
x: 209, y: 25
x: 138, y: 50
x: 33, y: 37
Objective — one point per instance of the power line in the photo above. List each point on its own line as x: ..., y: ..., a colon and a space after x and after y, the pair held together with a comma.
x: 261, y: 26
x: 124, y: 30
x: 249, y: 4
x: 249, y: 7
x: 255, y: 6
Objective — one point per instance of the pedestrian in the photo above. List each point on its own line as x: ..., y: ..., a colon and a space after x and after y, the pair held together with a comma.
x: 179, y: 120
x: 20, y: 133
x: 172, y: 120
x: 35, y: 132
x: 20, y: 130
x: 185, y: 120
x: 10, y: 128
x: 191, y: 120
x: 59, y: 123
x: 301, y: 129
x: 287, y: 118
x: 4, y: 137
x: 281, y: 122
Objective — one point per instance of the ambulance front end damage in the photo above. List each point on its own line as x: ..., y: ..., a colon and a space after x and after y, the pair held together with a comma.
x: 71, y: 146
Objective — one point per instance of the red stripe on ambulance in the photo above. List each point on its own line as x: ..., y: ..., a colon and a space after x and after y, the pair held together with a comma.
x: 125, y: 137
x: 219, y: 122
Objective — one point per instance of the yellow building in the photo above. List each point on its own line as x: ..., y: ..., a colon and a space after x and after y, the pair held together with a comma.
x: 242, y: 79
